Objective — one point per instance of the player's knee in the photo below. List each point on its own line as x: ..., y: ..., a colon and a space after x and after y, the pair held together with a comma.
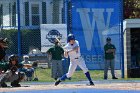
x: 69, y: 75
x: 85, y: 71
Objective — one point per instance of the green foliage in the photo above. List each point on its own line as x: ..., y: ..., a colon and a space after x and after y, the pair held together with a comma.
x: 12, y: 39
x: 29, y: 38
x: 131, y: 9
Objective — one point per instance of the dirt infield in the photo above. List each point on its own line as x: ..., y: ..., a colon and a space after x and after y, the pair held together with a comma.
x: 77, y: 85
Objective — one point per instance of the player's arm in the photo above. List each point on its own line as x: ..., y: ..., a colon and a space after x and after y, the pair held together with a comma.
x: 27, y: 66
x: 106, y: 49
x: 110, y: 51
x: 49, y: 54
x: 71, y: 50
x: 65, y: 54
x: 114, y: 50
x: 66, y: 51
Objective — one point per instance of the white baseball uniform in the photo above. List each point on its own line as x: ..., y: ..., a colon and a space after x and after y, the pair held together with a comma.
x: 75, y: 59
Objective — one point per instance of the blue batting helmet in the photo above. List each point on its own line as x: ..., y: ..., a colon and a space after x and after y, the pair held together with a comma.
x: 71, y: 37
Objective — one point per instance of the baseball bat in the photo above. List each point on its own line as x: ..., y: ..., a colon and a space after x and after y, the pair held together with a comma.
x: 70, y: 50
x: 58, y: 41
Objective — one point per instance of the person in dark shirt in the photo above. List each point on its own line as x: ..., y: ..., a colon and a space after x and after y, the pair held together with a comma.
x: 109, y: 50
x: 56, y: 53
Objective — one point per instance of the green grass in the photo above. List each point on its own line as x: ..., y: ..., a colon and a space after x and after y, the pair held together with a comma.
x: 44, y: 75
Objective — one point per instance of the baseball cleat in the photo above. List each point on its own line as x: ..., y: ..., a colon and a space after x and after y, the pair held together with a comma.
x: 105, y: 78
x: 3, y: 85
x: 91, y: 83
x: 13, y: 84
x: 57, y: 82
x: 114, y: 78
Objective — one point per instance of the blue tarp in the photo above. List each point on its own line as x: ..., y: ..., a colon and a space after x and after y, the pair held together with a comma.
x: 92, y: 22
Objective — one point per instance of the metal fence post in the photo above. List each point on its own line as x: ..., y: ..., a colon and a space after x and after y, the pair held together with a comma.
x: 19, y: 33
x: 122, y: 70
x: 64, y: 12
x: 69, y: 16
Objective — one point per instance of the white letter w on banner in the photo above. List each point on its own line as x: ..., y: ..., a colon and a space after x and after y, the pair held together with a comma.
x: 98, y: 19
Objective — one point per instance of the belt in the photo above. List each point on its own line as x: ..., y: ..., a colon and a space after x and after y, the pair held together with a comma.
x: 76, y: 58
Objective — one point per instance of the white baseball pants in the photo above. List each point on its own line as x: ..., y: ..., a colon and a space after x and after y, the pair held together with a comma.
x: 73, y: 65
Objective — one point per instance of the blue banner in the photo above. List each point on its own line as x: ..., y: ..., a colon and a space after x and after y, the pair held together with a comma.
x: 92, y: 22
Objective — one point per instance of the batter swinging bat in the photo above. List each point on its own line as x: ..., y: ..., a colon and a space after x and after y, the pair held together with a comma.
x: 70, y: 50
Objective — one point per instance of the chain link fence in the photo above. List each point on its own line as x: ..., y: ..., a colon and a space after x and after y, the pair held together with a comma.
x: 32, y: 13
x: 21, y: 20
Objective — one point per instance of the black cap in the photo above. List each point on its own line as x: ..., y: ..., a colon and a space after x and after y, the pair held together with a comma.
x: 108, y: 39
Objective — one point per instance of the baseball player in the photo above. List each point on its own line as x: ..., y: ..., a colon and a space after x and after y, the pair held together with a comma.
x: 10, y: 72
x: 72, y: 49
